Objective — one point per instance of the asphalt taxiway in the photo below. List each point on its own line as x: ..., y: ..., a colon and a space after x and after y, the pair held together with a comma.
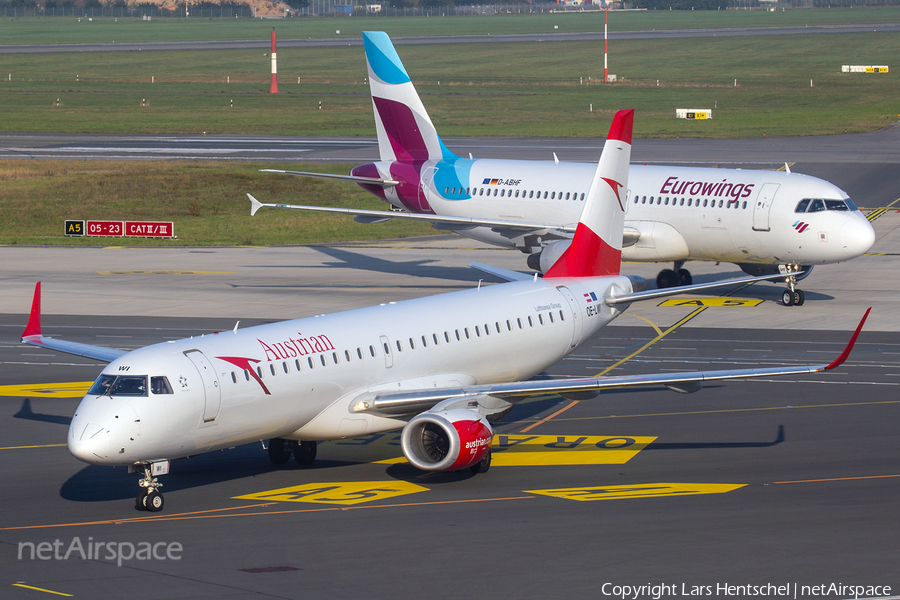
x: 789, y: 482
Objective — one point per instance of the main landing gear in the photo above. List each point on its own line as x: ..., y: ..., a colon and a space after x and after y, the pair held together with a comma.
x: 150, y: 498
x: 674, y: 277
x: 280, y: 451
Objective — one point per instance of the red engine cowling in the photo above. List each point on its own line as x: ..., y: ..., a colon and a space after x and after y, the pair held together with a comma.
x: 447, y: 440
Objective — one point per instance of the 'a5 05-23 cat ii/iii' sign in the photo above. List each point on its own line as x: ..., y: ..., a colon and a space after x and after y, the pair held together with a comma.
x: 154, y: 229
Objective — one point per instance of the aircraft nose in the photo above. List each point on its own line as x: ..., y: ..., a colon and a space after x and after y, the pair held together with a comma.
x: 88, y: 442
x: 857, y: 237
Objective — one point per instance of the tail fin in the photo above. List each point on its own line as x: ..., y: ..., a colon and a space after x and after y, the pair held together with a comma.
x: 405, y: 132
x: 596, y: 249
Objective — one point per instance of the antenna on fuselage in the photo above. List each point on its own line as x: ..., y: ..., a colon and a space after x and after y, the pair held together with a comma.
x: 555, y: 158
x: 236, y: 326
x: 787, y: 168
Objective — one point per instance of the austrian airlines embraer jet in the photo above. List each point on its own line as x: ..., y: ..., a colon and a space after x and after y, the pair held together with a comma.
x: 764, y: 221
x: 441, y: 368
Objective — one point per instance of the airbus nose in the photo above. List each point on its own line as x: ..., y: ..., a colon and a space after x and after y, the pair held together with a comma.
x: 857, y: 237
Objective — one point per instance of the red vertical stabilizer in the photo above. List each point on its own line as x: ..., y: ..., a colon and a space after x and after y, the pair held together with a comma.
x: 596, y: 249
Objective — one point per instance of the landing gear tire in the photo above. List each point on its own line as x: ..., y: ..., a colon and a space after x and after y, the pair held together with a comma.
x: 799, y: 298
x: 483, y: 465
x: 279, y: 451
x: 788, y: 298
x: 305, y: 453
x: 140, y: 501
x: 154, y: 501
x: 667, y: 278
x: 684, y: 277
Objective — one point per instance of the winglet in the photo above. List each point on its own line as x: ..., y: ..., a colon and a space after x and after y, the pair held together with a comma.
x: 33, y: 329
x: 840, y: 359
x: 255, y: 205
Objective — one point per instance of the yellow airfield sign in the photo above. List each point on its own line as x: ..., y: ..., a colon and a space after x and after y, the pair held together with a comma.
x: 559, y: 450
x: 338, y: 492
x: 711, y: 302
x: 640, y: 490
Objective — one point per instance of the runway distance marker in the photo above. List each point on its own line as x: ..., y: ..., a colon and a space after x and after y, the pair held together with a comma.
x: 712, y: 302
x: 70, y: 389
x: 521, y: 450
x: 340, y: 492
x: 641, y: 490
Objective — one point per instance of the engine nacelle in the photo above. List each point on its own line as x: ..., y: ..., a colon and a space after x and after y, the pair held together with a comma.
x: 447, y: 440
x: 549, y: 254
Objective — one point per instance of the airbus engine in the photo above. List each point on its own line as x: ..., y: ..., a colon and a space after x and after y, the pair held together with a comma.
x: 549, y: 254
x: 446, y: 440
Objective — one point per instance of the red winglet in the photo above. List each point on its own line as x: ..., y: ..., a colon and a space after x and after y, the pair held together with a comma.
x: 33, y: 329
x: 622, y: 126
x: 840, y: 359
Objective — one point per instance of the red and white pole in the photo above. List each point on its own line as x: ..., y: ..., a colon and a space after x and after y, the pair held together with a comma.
x: 605, y: 45
x: 274, y: 88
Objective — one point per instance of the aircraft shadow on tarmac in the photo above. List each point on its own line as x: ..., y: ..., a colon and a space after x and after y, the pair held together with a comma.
x: 709, y: 445
x: 26, y: 413
x: 413, y: 268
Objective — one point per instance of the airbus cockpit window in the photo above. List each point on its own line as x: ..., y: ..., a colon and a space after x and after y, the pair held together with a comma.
x: 818, y: 205
x: 160, y: 385
x: 122, y: 385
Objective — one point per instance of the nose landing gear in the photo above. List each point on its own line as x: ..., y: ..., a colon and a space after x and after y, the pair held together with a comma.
x: 793, y: 296
x: 150, y: 498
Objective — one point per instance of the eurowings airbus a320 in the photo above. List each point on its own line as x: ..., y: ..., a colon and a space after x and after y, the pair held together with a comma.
x: 441, y: 368
x: 766, y: 222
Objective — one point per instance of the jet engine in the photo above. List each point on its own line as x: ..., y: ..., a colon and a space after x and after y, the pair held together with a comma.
x: 448, y: 441
x: 549, y: 254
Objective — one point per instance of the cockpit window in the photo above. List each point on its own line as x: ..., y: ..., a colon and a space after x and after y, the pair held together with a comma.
x: 101, y: 386
x: 129, y: 385
x: 818, y: 205
x: 123, y: 385
x: 160, y: 385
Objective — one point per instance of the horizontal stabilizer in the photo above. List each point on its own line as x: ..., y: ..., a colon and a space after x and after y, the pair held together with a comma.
x: 351, y: 178
x: 505, y: 274
x: 686, y: 289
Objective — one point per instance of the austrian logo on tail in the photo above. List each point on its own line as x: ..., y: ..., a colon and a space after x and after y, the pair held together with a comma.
x: 616, y: 186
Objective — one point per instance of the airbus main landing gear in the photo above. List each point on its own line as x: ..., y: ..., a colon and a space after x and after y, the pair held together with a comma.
x: 280, y: 451
x: 483, y: 465
x: 150, y: 498
x: 792, y: 296
x: 674, y: 277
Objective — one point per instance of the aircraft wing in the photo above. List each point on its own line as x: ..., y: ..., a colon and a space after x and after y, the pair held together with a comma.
x: 32, y: 335
x: 379, y: 216
x: 492, y: 398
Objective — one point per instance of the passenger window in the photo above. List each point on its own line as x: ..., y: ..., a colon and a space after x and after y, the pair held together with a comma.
x: 160, y: 385
x: 487, y: 329
x: 541, y: 319
x: 322, y: 360
x: 347, y: 355
x: 562, y: 316
x: 551, y: 317
x: 387, y: 348
x: 399, y: 346
x: 435, y: 338
x: 502, y: 193
x: 720, y: 204
x: 297, y: 364
x: 359, y: 353
x: 334, y: 357
x: 259, y: 371
x: 530, y: 322
x: 582, y: 196
x: 458, y: 339
x: 508, y: 325
x: 519, y: 322
x: 477, y: 331
x: 246, y: 374
x: 744, y: 205
x: 424, y: 342
x: 372, y: 351
x: 272, y: 369
x: 567, y: 195
x: 531, y: 194
x: 466, y: 329
x: 412, y: 344
x: 309, y: 361
x: 447, y: 337
x: 553, y: 196
x: 285, y: 367
x: 497, y: 324
x: 517, y: 193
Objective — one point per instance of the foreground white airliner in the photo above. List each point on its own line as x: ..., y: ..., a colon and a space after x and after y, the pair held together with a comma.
x: 440, y: 367
x: 764, y: 221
